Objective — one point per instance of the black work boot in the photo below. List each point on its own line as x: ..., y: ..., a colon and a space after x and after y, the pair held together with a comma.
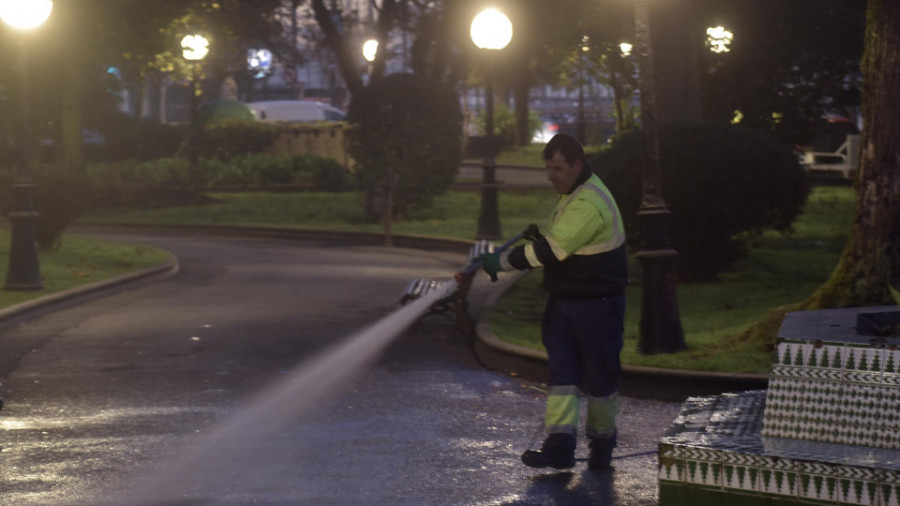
x: 558, y: 452
x: 601, y: 452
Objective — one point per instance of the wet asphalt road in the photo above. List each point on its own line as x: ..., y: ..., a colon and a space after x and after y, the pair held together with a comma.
x: 122, y: 399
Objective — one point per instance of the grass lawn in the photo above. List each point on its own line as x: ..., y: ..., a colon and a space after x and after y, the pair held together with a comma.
x: 80, y: 261
x: 454, y: 214
x: 780, y: 269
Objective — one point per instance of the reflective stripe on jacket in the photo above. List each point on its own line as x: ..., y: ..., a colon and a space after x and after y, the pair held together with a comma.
x: 583, y: 254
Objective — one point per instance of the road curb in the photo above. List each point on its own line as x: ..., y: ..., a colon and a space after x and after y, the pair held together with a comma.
x: 289, y: 233
x: 164, y: 270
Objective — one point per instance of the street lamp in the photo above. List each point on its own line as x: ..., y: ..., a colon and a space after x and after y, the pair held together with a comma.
x: 370, y: 50
x: 194, y: 48
x: 660, y: 326
x: 491, y: 30
x: 718, y: 38
x: 24, y: 271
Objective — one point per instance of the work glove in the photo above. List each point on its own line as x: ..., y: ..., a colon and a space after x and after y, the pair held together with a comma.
x: 490, y: 262
x: 532, y: 233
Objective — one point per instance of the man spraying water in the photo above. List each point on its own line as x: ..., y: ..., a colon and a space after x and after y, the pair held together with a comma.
x: 585, y: 273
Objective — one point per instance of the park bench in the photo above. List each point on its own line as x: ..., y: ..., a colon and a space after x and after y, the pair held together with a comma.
x: 455, y: 305
x: 844, y: 160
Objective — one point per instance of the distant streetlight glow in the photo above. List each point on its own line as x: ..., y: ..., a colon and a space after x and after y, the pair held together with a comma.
x: 370, y: 49
x: 25, y: 14
x: 194, y: 47
x: 718, y: 39
x: 491, y: 29
x: 626, y: 48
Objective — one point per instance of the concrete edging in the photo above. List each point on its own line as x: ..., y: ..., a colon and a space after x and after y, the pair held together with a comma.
x: 168, y: 268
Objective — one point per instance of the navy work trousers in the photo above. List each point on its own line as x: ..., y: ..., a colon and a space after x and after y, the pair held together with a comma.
x: 583, y: 337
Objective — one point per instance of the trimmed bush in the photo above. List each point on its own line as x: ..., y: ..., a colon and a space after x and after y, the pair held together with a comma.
x: 412, y: 126
x: 128, y: 138
x: 155, y: 183
x: 322, y: 173
x: 228, y: 138
x: 724, y: 185
x: 264, y: 170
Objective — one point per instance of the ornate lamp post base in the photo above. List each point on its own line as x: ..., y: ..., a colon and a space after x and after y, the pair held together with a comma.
x: 23, y: 272
x: 660, y: 326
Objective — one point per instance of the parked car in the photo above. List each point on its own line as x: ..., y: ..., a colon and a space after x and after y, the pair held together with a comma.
x: 549, y: 128
x: 295, y: 111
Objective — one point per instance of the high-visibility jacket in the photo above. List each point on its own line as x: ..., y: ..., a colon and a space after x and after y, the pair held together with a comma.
x: 583, y: 254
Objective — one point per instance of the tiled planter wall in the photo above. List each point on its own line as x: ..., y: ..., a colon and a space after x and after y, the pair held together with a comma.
x: 827, y: 430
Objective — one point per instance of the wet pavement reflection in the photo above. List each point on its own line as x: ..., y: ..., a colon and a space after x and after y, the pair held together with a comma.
x: 104, y: 397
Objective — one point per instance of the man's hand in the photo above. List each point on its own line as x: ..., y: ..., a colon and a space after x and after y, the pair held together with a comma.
x: 490, y: 262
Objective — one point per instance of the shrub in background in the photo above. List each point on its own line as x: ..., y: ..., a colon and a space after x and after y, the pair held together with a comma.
x: 724, y: 185
x: 505, y: 124
x: 127, y: 138
x: 228, y: 138
x: 131, y: 184
x: 59, y: 198
x: 412, y: 125
x: 264, y: 170
x: 322, y: 173
x: 269, y: 170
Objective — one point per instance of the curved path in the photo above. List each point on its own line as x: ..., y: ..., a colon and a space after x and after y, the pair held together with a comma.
x: 108, y: 394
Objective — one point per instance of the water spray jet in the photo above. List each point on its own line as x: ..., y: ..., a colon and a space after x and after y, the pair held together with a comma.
x: 279, y: 405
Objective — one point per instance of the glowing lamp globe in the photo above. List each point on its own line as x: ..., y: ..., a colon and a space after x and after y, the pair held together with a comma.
x: 25, y: 14
x: 370, y: 49
x: 194, y: 47
x: 491, y: 29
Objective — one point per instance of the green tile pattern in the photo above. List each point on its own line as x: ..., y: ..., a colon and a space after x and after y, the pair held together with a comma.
x: 837, y: 392
x: 827, y: 430
x: 714, y: 453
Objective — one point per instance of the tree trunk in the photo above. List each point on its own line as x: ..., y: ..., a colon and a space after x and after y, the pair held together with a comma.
x: 618, y: 113
x: 72, y: 116
x: 871, y: 258
x: 340, y: 46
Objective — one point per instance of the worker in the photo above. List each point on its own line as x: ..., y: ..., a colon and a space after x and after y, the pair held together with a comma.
x: 584, y: 273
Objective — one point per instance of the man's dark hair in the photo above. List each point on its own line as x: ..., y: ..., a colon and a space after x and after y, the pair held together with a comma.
x: 568, y: 146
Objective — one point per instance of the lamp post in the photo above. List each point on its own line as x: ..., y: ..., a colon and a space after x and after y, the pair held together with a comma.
x: 370, y: 52
x: 660, y: 326
x: 24, y: 271
x: 491, y: 30
x: 194, y: 49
